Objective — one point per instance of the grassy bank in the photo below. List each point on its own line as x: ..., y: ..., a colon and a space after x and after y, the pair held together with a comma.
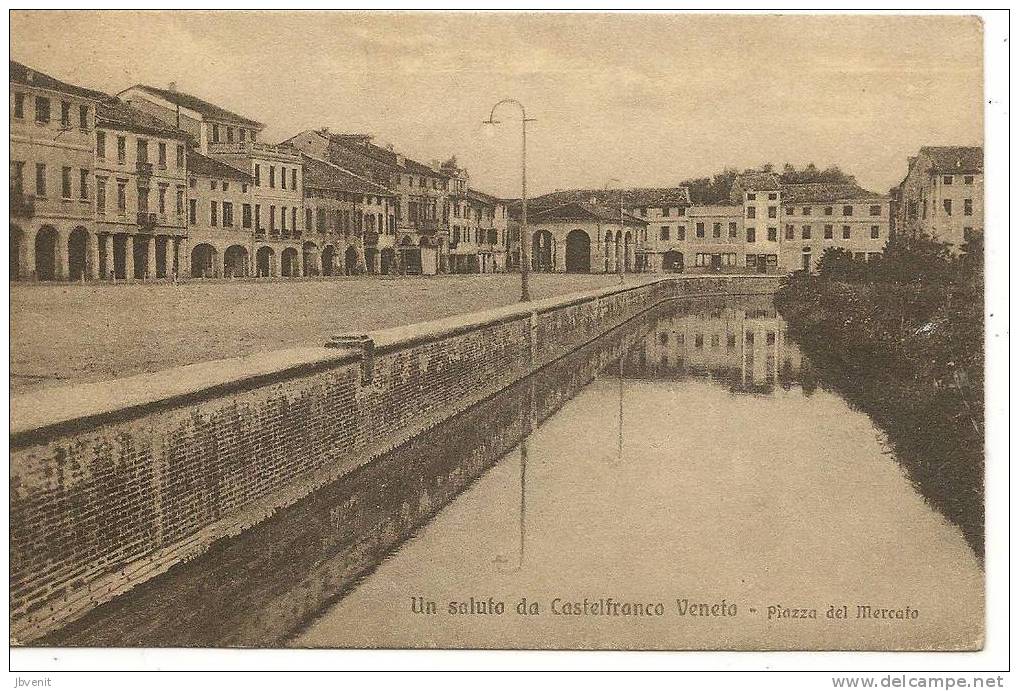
x: 909, y: 354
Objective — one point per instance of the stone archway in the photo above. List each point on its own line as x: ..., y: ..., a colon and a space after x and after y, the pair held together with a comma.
x: 77, y: 254
x: 235, y: 262
x: 388, y: 260
x: 288, y: 262
x: 350, y: 261
x: 46, y: 255
x: 17, y: 247
x: 672, y: 261
x: 628, y: 252
x: 264, y: 260
x: 578, y: 252
x: 309, y: 259
x: 203, y: 261
x: 328, y: 260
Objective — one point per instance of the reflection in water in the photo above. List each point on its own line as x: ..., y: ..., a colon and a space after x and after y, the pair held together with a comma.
x: 653, y: 478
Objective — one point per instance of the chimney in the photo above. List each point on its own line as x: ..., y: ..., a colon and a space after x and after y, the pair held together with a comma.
x: 173, y: 87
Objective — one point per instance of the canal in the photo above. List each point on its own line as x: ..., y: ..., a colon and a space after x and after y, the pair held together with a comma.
x: 692, y: 457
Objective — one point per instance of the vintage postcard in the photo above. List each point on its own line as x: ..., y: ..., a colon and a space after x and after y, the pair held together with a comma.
x: 463, y: 330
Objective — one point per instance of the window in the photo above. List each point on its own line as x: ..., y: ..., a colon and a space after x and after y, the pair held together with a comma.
x: 83, y: 117
x: 272, y: 218
x: 806, y: 210
x: 806, y: 232
x: 215, y: 133
x: 293, y: 218
x: 258, y: 218
x: 121, y: 149
x: 162, y: 199
x: 947, y: 179
x: 967, y: 179
x: 192, y: 211
x: 845, y: 232
x: 180, y: 155
x: 245, y: 211
x: 293, y: 178
x: 751, y: 235
x: 283, y: 178
x: 829, y: 232
x: 681, y: 211
x: 244, y: 187
x: 212, y: 184
x: 751, y: 196
x: 681, y: 233
x: 226, y: 185
x: 40, y: 179
x: 967, y: 233
x: 143, y: 151
x: 947, y: 203
x: 716, y: 230
x: 17, y: 176
x: 875, y: 232
x: 83, y: 184
x: 283, y: 219
x: 258, y: 175
x: 700, y: 229
x: 213, y: 213
x: 773, y: 196
x: 180, y: 201
x: 65, y: 114
x: 847, y: 210
x: 101, y: 195
x: 828, y: 211
x: 162, y: 155
x: 751, y: 212
x: 967, y: 207
x: 101, y: 145
x: 229, y: 138
x: 789, y: 232
x: 789, y: 211
x: 665, y: 232
x: 65, y: 183
x: 772, y: 212
x: 228, y: 215
x: 875, y: 209
x: 19, y: 105
x: 42, y: 109
x: 244, y: 134
x: 732, y: 229
x: 143, y: 199
x: 772, y: 234
x: 272, y: 176
x: 121, y: 196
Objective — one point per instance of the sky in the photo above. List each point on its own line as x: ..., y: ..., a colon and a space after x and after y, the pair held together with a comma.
x: 648, y: 99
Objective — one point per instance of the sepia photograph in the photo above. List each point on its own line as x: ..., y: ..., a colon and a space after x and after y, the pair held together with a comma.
x: 516, y: 331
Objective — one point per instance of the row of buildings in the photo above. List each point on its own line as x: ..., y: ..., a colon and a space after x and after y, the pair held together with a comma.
x: 155, y: 183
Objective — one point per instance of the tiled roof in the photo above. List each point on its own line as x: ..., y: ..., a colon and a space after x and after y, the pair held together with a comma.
x: 714, y: 210
x: 955, y: 159
x: 201, y: 106
x: 637, y: 196
x: 480, y: 196
x: 757, y: 182
x: 211, y: 168
x: 821, y: 192
x: 321, y: 174
x: 582, y: 211
x: 115, y: 114
x: 22, y: 74
x: 362, y: 144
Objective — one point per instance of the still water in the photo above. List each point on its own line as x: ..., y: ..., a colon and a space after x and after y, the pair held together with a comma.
x: 707, y: 466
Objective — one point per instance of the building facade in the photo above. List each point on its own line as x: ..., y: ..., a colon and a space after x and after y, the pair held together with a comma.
x: 942, y: 195
x: 579, y: 237
x: 220, y: 216
x: 52, y: 131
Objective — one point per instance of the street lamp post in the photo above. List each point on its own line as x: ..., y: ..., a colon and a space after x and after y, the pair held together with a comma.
x: 525, y: 238
x: 620, y: 253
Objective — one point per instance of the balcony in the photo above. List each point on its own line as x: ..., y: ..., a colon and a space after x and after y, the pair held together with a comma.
x: 22, y: 205
x: 144, y: 168
x: 147, y: 220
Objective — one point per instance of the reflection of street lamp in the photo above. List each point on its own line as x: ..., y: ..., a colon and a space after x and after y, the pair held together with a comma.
x: 525, y: 238
x: 619, y: 238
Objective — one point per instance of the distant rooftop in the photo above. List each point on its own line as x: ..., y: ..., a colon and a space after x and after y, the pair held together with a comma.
x: 116, y: 114
x: 955, y: 159
x: 22, y: 74
x: 821, y: 192
x: 632, y: 197
x: 319, y: 174
x: 211, y: 168
x: 199, y: 105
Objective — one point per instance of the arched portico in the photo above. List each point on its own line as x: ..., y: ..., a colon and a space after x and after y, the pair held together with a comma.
x: 289, y: 262
x: 77, y: 254
x: 578, y: 252
x: 542, y: 251
x: 47, y: 257
x: 264, y: 261
x: 235, y: 261
x: 328, y: 260
x: 203, y: 261
x: 310, y: 259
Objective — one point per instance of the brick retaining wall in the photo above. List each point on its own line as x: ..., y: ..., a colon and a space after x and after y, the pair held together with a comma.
x: 114, y: 483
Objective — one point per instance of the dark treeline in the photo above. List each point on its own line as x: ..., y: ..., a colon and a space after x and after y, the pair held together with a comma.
x: 902, y: 339
x: 715, y: 189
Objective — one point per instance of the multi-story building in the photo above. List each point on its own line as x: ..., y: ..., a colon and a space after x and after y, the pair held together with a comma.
x: 52, y: 130
x: 477, y: 242
x: 346, y: 220
x: 140, y: 183
x: 711, y: 238
x: 220, y: 216
x: 787, y: 227
x: 277, y: 195
x: 942, y: 194
x: 422, y: 229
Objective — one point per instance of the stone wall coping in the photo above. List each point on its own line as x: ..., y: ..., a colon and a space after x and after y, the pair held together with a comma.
x: 36, y: 415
